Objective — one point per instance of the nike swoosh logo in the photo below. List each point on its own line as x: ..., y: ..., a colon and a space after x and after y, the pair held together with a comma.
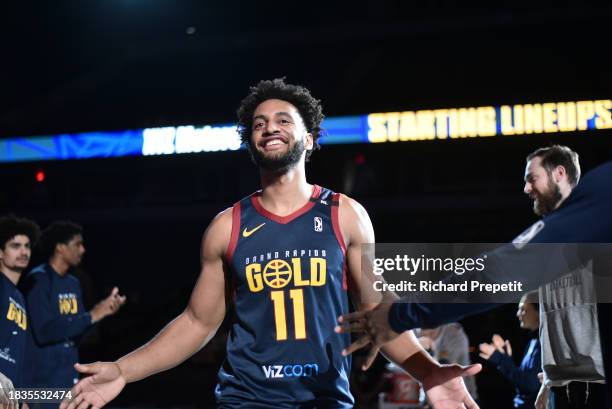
x: 247, y: 233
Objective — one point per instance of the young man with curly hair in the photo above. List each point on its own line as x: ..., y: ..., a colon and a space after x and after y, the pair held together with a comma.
x: 17, y: 237
x: 287, y: 257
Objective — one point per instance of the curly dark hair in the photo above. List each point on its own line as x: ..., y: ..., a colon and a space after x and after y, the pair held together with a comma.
x: 310, y: 108
x: 11, y: 226
x: 58, y: 232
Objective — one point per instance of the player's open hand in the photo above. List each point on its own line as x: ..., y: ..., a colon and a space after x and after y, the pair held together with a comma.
x: 445, y: 388
x: 373, y: 324
x: 103, y: 385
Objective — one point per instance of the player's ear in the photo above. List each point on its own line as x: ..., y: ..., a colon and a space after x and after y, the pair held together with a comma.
x: 59, y: 247
x: 560, y: 173
x: 309, y: 142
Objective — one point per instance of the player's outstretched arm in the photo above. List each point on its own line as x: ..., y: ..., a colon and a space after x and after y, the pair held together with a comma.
x: 443, y: 383
x: 179, y: 340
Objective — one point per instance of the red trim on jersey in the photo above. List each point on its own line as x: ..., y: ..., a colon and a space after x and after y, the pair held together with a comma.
x: 338, y: 234
x: 316, y: 192
x: 229, y: 253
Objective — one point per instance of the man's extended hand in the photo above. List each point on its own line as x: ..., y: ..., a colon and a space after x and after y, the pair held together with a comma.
x: 374, y: 324
x: 445, y: 388
x: 104, y: 384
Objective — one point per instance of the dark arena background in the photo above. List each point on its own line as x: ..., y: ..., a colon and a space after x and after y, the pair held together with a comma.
x: 70, y: 68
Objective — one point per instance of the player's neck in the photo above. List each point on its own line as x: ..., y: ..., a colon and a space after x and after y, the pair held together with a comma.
x: 284, y: 193
x: 11, y: 274
x: 59, y: 265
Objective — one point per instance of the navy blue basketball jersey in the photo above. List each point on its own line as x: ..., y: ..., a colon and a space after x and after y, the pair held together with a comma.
x: 289, y: 275
x: 13, y: 327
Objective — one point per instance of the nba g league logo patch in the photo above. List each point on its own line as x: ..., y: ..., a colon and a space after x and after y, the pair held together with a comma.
x: 318, y: 224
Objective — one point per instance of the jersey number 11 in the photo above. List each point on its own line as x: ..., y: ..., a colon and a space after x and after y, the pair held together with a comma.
x: 280, y: 314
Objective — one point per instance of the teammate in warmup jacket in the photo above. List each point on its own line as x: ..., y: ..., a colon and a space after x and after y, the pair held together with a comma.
x: 17, y: 237
x: 58, y: 317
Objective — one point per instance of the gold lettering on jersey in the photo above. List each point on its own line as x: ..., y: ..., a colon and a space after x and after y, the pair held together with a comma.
x: 253, y: 276
x: 277, y: 273
x: 68, y: 304
x: 287, y: 254
x: 17, y: 314
x: 297, y: 271
x: 318, y: 271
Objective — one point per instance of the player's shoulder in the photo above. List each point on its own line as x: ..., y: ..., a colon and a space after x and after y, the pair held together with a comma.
x: 223, y: 219
x: 218, y: 233
x: 40, y: 272
x: 350, y: 207
x: 39, y: 276
x: 73, y: 279
x: 595, y: 185
x: 355, y: 223
x: 600, y: 176
x: 221, y: 224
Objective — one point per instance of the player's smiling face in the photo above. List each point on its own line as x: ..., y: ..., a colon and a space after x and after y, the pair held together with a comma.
x: 279, y: 137
x: 541, y: 187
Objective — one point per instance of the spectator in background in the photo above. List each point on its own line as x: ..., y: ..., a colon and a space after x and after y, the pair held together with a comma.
x: 56, y: 310
x: 499, y: 353
x: 449, y: 345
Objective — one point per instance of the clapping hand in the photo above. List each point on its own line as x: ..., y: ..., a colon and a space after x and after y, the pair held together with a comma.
x: 497, y: 344
x: 108, y: 306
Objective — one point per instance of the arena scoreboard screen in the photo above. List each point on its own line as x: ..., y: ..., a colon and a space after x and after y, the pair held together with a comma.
x: 389, y: 127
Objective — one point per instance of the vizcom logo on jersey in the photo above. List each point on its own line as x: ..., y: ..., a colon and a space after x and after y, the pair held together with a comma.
x: 288, y: 371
